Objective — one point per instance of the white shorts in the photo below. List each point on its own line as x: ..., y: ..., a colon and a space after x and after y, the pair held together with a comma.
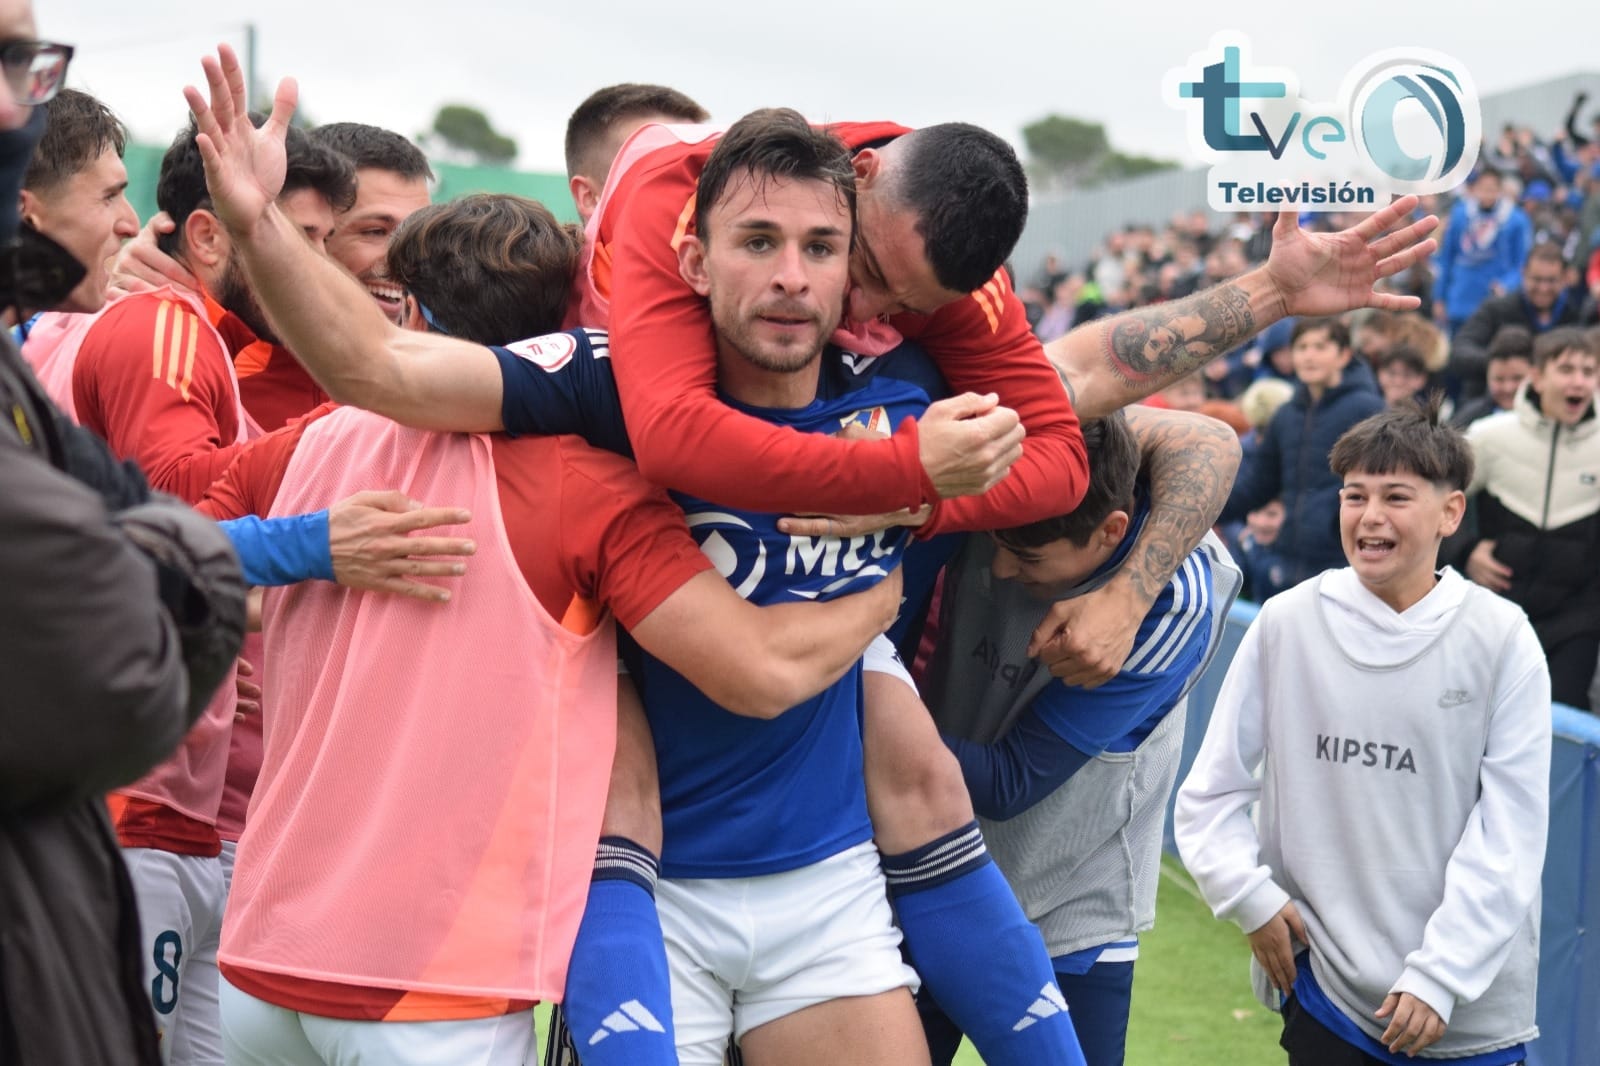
x: 881, y: 658
x: 749, y: 950
x: 258, y: 1033
x: 180, y: 900
x: 230, y: 848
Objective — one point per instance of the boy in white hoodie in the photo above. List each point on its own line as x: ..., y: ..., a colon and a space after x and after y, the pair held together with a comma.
x: 1390, y: 891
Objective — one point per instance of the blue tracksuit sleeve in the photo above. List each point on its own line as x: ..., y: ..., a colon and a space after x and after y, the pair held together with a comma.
x: 1065, y: 727
x: 282, y: 551
x: 1018, y: 770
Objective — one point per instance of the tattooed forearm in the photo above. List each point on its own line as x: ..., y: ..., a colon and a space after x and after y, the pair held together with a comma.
x: 1152, y: 347
x: 1190, y: 462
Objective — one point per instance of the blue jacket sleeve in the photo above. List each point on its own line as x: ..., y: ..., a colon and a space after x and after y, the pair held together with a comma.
x: 282, y: 551
x: 562, y: 384
x: 1260, y: 477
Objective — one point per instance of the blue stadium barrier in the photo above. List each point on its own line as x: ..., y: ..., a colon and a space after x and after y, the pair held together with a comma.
x: 1569, y: 958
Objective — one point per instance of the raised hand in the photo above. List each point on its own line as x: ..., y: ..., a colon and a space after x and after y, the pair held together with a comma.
x: 245, y: 166
x: 1330, y: 273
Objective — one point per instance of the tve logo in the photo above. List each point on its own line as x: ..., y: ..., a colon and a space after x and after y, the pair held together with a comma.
x: 1406, y: 120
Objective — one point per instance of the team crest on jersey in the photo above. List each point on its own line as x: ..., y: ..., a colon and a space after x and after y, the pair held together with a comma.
x: 874, y: 420
x: 549, y: 353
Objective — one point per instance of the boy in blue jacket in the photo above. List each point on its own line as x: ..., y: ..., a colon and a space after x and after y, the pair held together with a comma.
x: 1291, y: 461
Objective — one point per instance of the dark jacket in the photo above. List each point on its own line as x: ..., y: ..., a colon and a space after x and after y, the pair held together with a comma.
x: 1469, y: 348
x: 1291, y: 464
x: 96, y: 691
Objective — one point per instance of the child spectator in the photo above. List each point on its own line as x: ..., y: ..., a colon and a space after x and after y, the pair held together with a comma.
x: 1389, y: 892
x: 1538, y: 471
x: 1402, y: 375
x: 1510, y: 361
x: 1252, y: 545
x: 1290, y: 463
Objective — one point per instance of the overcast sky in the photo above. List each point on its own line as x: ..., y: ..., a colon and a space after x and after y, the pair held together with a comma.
x: 998, y: 63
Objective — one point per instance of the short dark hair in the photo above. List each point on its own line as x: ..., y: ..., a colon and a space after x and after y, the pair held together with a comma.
x: 970, y: 195
x: 1337, y: 331
x: 489, y: 267
x: 591, y: 122
x: 79, y: 129
x: 1406, y: 355
x: 1113, y: 470
x: 774, y: 142
x: 374, y: 148
x: 1484, y: 172
x: 1408, y: 438
x: 1548, y: 346
x: 181, y: 188
x: 1511, y: 342
x: 1545, y: 252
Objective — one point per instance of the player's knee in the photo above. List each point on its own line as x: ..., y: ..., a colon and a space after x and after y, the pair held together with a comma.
x: 925, y: 778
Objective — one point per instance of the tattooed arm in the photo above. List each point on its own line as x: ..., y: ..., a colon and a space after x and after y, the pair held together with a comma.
x: 1114, y: 361
x: 1190, y: 462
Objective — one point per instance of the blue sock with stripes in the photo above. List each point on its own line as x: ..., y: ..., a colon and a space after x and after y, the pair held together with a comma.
x: 978, y: 954
x: 618, y: 998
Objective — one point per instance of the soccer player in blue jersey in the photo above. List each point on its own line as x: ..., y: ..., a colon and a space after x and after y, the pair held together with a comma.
x: 1071, y: 783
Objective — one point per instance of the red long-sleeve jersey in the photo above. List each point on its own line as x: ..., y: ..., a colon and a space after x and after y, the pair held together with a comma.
x: 664, y: 356
x: 152, y: 379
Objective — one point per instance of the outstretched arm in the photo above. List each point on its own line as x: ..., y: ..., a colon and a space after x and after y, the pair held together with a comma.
x: 1114, y: 361
x: 321, y: 313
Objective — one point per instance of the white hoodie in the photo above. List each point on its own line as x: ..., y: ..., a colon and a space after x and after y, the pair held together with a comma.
x: 1404, y: 799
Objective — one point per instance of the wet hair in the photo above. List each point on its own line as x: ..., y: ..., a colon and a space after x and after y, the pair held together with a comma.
x: 970, y: 196
x: 1408, y: 438
x: 1113, y: 469
x: 181, y: 188
x: 374, y: 148
x: 490, y: 267
x: 1407, y: 356
x: 79, y: 130
x: 1511, y: 342
x: 1336, y: 330
x: 1549, y: 346
x: 774, y: 142
x: 591, y: 123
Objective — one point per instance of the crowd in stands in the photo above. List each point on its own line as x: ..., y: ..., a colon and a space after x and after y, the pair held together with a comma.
x: 1508, y: 330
